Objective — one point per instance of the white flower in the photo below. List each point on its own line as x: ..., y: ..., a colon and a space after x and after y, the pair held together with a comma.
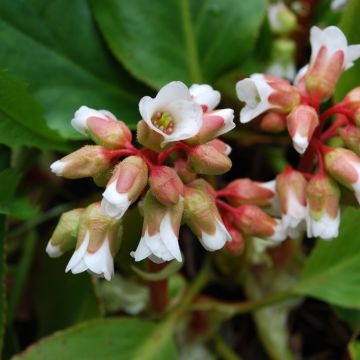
x: 217, y: 240
x: 228, y: 116
x: 255, y: 92
x: 79, y: 122
x: 172, y: 113
x: 334, y: 40
x: 159, y: 247
x: 99, y: 263
x: 293, y: 220
x: 205, y: 95
x: 326, y: 227
x: 114, y: 204
x: 53, y: 251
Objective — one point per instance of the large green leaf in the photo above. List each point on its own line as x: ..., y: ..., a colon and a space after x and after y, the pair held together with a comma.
x: 54, y: 45
x: 332, y: 272
x: 188, y: 40
x: 350, y: 25
x: 109, y: 339
x: 21, y: 117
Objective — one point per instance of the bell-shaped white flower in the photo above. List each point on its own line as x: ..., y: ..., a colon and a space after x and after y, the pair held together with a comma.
x: 205, y: 96
x: 326, y: 227
x: 172, y: 113
x: 159, y: 241
x: 217, y: 239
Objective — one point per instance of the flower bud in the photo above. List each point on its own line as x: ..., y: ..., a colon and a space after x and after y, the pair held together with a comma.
x: 214, y: 124
x: 301, y: 123
x: 203, y: 218
x: 246, y: 191
x: 291, y: 189
x: 206, y: 159
x: 98, y: 242
x: 344, y: 166
x: 236, y: 244
x: 323, y: 213
x: 203, y: 185
x: 330, y: 56
x: 281, y: 19
x: 125, y: 186
x: 89, y: 160
x: 65, y: 234
x: 149, y: 138
x: 352, y: 101
x: 205, y: 96
x: 253, y: 221
x: 166, y: 185
x: 351, y: 137
x: 159, y: 241
x: 181, y: 167
x: 273, y: 122
x: 220, y: 146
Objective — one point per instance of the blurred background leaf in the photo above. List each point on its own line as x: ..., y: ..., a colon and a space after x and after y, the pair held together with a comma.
x: 192, y: 41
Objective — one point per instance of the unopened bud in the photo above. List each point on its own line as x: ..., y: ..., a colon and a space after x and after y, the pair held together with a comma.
x: 181, y: 167
x: 65, y: 234
x: 206, y: 159
x: 253, y: 221
x: 323, y: 213
x: 202, y: 216
x: 88, y: 161
x: 159, y: 241
x: 125, y: 186
x: 214, y: 124
x: 150, y: 138
x: 236, y: 244
x: 351, y: 137
x: 220, y: 146
x: 203, y: 185
x: 301, y: 123
x: 273, y: 122
x: 344, y: 166
x: 291, y: 189
x: 166, y: 185
x: 98, y: 242
x: 352, y: 101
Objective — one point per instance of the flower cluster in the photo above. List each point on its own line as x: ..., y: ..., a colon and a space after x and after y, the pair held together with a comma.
x: 311, y: 201
x: 178, y: 131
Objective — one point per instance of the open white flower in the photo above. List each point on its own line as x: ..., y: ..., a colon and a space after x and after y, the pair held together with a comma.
x: 79, y: 122
x: 205, y: 96
x: 325, y: 227
x: 217, y: 239
x: 172, y: 113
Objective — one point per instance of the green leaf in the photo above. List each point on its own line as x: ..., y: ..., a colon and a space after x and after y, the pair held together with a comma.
x: 105, y: 339
x: 192, y: 41
x: 18, y: 207
x: 354, y: 349
x: 55, y: 46
x: 349, y: 24
x: 332, y: 272
x: 21, y: 117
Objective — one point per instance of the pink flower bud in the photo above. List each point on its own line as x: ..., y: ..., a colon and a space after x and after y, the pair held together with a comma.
x: 125, y: 186
x: 90, y: 160
x: 214, y: 124
x: 344, y: 166
x: 352, y: 101
x: 166, y: 185
x: 246, y: 191
x: 273, y: 122
x: 159, y: 241
x: 253, y: 221
x: 291, y: 189
x: 205, y: 96
x: 65, y: 233
x: 323, y: 213
x: 265, y: 92
x: 203, y: 185
x: 206, y: 159
x: 181, y: 167
x: 236, y: 244
x: 301, y: 123
x: 330, y: 56
x: 351, y: 137
x: 220, y: 146
x: 203, y: 218
x: 98, y: 242
x: 149, y: 138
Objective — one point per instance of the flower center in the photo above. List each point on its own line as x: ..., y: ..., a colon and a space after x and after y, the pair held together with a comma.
x: 163, y: 121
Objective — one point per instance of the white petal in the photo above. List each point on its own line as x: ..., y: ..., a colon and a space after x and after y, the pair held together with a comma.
x: 58, y: 167
x: 78, y: 254
x: 169, y: 239
x: 101, y: 262
x: 228, y: 116
x: 273, y: 15
x: 79, y: 122
x: 326, y: 227
x: 296, y: 212
x: 205, y: 95
x: 301, y: 73
x: 269, y: 185
x: 279, y: 232
x: 228, y: 149
x: 113, y: 203
x: 352, y: 54
x: 142, y: 251
x: 300, y: 143
x: 216, y: 241
x: 53, y: 251
x: 157, y: 247
x: 108, y: 114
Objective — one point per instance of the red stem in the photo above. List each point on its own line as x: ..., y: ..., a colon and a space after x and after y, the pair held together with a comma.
x: 226, y: 206
x: 158, y: 289
x: 332, y: 130
x: 178, y: 146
